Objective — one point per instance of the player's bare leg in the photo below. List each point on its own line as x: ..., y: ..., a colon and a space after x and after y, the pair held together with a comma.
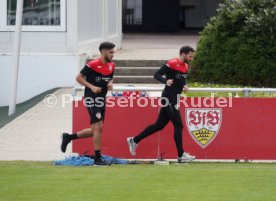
x: 67, y: 138
x: 85, y: 133
x: 98, y: 128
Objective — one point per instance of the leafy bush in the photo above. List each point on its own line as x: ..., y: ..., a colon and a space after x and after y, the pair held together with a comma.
x: 238, y: 46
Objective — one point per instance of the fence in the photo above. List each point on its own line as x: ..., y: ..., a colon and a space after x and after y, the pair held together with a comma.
x: 241, y: 129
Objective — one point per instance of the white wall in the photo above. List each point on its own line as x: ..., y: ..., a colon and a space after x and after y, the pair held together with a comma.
x: 37, y: 73
x: 112, y: 17
x: 36, y: 42
x: 101, y: 19
x: 90, y: 20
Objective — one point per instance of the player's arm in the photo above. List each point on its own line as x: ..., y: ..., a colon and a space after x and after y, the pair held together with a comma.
x: 82, y: 80
x: 186, y: 88
x: 110, y: 82
x: 159, y: 75
x: 110, y: 85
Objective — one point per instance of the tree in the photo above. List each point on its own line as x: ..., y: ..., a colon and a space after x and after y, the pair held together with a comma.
x: 238, y: 46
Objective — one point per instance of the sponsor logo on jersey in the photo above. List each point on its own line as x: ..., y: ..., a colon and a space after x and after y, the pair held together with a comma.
x: 98, y: 79
x: 106, y: 79
x: 178, y: 76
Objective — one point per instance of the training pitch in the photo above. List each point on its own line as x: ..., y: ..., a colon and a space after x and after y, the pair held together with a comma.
x: 192, y: 182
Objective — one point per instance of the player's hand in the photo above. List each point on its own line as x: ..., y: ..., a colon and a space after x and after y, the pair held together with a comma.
x: 95, y: 89
x: 185, y: 88
x: 169, y: 83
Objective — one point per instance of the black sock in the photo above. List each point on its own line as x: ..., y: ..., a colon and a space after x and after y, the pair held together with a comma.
x: 134, y: 140
x: 74, y: 136
x: 98, y: 154
x: 180, y: 154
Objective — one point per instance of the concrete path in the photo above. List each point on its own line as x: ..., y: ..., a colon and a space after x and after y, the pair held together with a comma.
x: 154, y: 47
x: 35, y: 135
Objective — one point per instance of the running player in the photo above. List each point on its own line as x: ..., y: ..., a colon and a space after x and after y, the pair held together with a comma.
x: 175, y: 71
x: 96, y: 76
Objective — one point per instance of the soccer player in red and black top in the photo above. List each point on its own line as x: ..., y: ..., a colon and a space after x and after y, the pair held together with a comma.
x: 175, y: 71
x: 96, y: 76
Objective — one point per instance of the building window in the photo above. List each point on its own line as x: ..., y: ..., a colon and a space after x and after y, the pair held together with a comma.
x: 38, y: 15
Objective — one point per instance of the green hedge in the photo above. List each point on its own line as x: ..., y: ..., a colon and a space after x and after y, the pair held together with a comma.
x: 238, y: 46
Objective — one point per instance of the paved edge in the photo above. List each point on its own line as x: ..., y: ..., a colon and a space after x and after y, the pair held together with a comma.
x: 21, y: 108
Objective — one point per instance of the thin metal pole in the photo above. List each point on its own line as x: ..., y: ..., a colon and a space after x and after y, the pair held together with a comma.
x: 16, y: 56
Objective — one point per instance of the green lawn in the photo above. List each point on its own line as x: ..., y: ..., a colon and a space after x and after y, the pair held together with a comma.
x: 224, y: 94
x: 192, y: 182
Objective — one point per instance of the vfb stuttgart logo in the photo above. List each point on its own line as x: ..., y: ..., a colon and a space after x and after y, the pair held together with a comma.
x: 203, y: 124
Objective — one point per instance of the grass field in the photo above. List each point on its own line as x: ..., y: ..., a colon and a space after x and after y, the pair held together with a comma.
x: 224, y: 94
x: 191, y: 182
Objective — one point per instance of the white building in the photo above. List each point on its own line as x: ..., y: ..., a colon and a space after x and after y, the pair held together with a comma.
x: 57, y: 37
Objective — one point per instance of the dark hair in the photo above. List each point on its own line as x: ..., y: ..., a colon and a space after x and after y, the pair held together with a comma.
x: 106, y: 45
x: 186, y: 49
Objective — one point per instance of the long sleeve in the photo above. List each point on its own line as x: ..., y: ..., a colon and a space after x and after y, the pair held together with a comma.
x: 159, y: 74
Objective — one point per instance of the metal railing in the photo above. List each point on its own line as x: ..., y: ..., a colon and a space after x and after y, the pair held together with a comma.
x: 245, y: 91
x: 138, y: 68
x: 133, y: 76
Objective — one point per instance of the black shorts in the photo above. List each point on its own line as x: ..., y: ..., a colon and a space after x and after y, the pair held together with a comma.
x: 96, y: 113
